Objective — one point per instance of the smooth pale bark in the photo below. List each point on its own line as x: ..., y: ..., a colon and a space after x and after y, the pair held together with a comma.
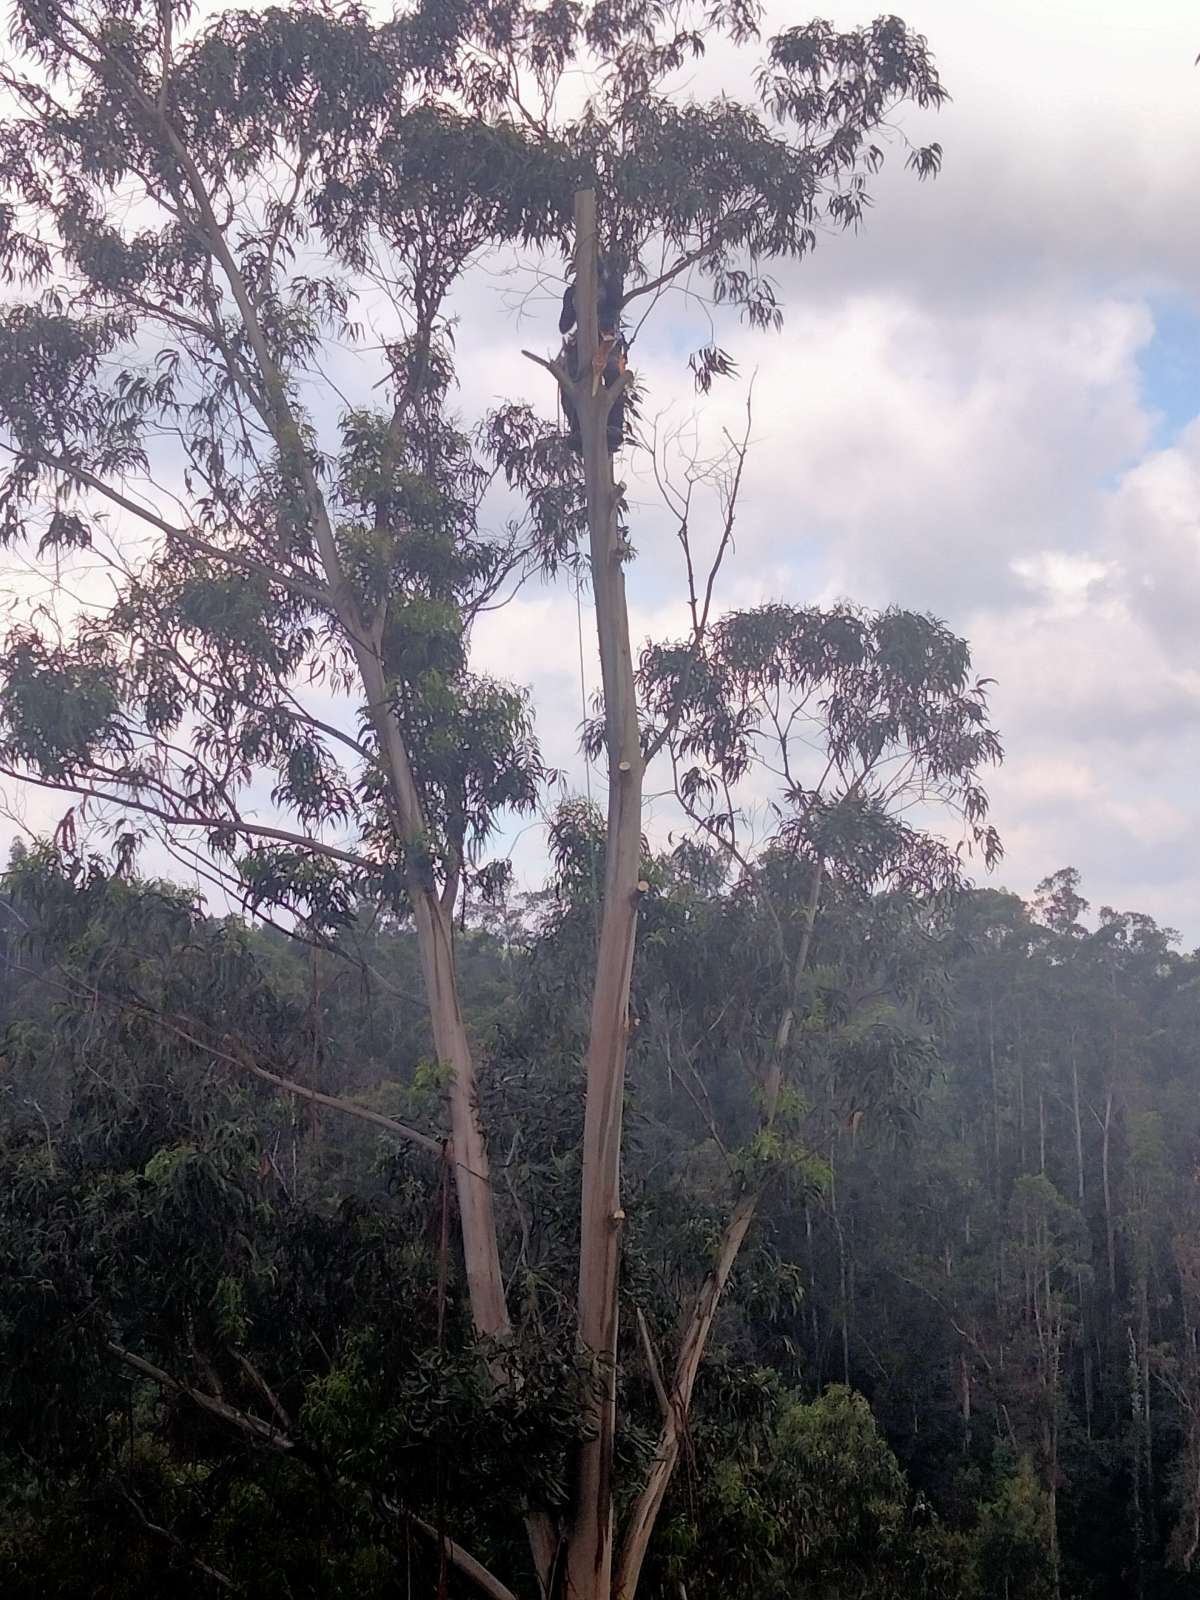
x: 1106, y: 1185
x: 1079, y: 1178
x: 477, y: 1220
x: 590, y: 1548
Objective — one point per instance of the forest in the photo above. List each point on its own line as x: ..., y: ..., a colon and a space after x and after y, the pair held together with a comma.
x: 739, y: 1200
x: 959, y: 1358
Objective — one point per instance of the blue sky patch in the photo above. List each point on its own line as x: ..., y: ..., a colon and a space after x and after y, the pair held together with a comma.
x: 1170, y: 368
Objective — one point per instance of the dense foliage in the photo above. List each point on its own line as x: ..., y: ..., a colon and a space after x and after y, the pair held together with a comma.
x: 958, y: 1358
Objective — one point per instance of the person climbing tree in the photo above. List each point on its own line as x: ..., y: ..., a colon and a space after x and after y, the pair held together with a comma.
x: 611, y: 357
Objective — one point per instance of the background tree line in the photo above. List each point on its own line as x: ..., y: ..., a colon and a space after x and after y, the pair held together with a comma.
x: 958, y: 1355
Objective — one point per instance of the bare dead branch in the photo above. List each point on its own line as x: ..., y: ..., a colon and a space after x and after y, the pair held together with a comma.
x: 555, y: 368
x: 700, y: 622
x: 461, y: 1560
x: 652, y: 1364
x: 266, y: 1434
x: 264, y: 1388
x: 234, y: 1054
x: 263, y: 1433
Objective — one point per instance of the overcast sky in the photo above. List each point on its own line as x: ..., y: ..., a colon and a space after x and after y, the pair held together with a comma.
x: 985, y: 405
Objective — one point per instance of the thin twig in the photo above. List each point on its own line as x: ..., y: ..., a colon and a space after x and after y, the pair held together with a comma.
x: 660, y: 1388
x: 176, y: 1542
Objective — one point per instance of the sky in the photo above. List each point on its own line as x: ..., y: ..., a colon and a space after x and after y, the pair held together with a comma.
x: 986, y: 405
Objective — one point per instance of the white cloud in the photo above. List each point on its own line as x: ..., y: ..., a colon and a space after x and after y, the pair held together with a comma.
x: 955, y: 419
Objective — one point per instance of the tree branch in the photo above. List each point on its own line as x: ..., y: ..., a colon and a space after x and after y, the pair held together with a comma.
x: 687, y: 1366
x: 700, y: 620
x: 689, y: 259
x: 264, y: 1433
x: 461, y: 1560
x: 660, y: 1388
x: 238, y: 1056
x: 176, y: 1542
x: 708, y: 1300
x: 239, y: 825
x: 193, y: 541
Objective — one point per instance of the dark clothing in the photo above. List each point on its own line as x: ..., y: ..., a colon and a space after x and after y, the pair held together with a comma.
x: 608, y: 315
x: 566, y: 317
x: 610, y: 294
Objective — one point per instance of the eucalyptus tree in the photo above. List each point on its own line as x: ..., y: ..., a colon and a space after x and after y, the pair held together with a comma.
x: 200, y: 215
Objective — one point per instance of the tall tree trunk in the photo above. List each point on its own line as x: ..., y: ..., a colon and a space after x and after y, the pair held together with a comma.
x: 1052, y: 1509
x: 1109, y: 1233
x: 814, y: 1316
x: 432, y: 918
x: 843, y: 1289
x: 1078, y: 1123
x: 435, y: 942
x: 589, y: 1556
x: 432, y: 912
x: 1146, y: 1420
x: 1137, y: 1510
x: 1021, y: 1110
x: 995, y: 1095
x: 1041, y: 1130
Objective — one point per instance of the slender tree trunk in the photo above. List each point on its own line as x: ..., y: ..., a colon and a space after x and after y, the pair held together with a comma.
x: 691, y: 1353
x: 1052, y: 1510
x: 1021, y: 1112
x: 1041, y: 1130
x: 814, y: 1317
x: 432, y: 919
x: 450, y: 1038
x: 589, y: 1557
x: 843, y: 1295
x: 1147, y: 1421
x: 434, y: 940
x: 1055, y: 1321
x: 1109, y: 1235
x: 995, y: 1094
x: 1078, y: 1122
x: 1137, y: 1510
